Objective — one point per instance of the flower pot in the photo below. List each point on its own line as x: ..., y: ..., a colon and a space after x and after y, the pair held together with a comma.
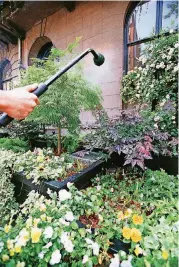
x: 81, y: 180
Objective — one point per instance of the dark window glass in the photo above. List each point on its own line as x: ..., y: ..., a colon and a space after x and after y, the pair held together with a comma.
x: 170, y: 15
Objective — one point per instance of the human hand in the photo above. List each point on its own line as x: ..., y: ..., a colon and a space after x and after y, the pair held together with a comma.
x: 19, y: 103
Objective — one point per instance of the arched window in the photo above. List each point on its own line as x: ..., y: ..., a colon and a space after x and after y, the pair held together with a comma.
x: 5, y: 74
x: 144, y: 22
x: 40, y: 49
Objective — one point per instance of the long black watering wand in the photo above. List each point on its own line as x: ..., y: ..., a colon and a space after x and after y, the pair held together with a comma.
x: 98, y: 60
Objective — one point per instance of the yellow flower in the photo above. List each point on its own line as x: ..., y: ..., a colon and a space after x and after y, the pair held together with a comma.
x: 5, y: 257
x: 11, y: 252
x: 18, y: 248
x: 20, y: 264
x: 40, y: 158
x: 36, y: 221
x: 43, y: 217
x: 126, y: 232
x: 165, y: 254
x: 137, y: 219
x: 7, y: 228
x: 10, y: 243
x: 135, y: 235
x: 138, y: 250
x: 49, y: 219
x: 127, y: 213
x: 35, y: 234
x: 120, y: 215
x: 42, y: 207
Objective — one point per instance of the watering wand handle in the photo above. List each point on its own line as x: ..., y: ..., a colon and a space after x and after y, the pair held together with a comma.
x: 98, y: 60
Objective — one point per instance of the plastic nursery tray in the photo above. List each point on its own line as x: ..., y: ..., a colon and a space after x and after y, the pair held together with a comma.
x: 80, y: 179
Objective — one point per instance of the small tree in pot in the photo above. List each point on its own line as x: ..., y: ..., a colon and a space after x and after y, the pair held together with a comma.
x: 62, y: 103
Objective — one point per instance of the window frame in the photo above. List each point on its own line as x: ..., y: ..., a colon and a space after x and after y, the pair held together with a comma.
x: 158, y: 28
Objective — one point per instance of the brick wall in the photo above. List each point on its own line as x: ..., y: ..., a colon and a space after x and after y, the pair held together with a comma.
x: 100, y: 24
x: 11, y: 53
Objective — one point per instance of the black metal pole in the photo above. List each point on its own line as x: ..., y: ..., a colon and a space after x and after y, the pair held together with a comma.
x: 42, y: 88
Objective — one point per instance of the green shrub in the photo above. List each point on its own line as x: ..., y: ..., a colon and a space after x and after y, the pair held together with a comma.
x: 16, y: 144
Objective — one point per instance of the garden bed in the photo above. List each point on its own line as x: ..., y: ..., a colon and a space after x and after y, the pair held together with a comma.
x: 81, y: 180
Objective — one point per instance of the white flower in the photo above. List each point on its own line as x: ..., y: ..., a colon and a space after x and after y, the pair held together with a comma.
x: 69, y: 165
x: 162, y: 104
x: 48, y: 232
x: 112, y: 190
x: 126, y: 263
x: 69, y: 216
x: 171, y: 31
x: 144, y: 60
x: 64, y: 195
x: 93, y: 245
x: 48, y: 245
x: 41, y: 255
x: 115, y: 261
x: 157, y: 118
x: 88, y: 231
x: 176, y: 68
x: 85, y: 259
x: 152, y: 65
x: 68, y: 245
x: 98, y: 187
x: 49, y: 191
x: 156, y: 125
x: 62, y: 159
x: 171, y: 51
x: 167, y: 96
x: 140, y: 68
x: 20, y: 264
x: 137, y: 95
x: 95, y: 248
x: 176, y: 45
x: 62, y: 221
x: 42, y: 207
x: 56, y: 257
x: 69, y: 184
x: 173, y: 117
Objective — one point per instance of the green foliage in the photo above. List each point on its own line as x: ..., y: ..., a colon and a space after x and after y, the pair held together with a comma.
x: 137, y: 135
x: 15, y: 144
x: 55, y: 222
x: 24, y: 130
x: 157, y: 78
x: 67, y: 96
x: 71, y: 142
x: 8, y: 203
x: 43, y: 165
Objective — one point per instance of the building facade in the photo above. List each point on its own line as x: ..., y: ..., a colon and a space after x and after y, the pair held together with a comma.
x: 101, y: 25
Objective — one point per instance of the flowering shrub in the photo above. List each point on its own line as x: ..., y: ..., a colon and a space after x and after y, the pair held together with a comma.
x: 137, y: 135
x: 47, y: 232
x: 157, y: 78
x: 42, y: 164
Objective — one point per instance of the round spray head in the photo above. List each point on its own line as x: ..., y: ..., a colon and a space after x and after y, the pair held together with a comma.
x: 99, y: 60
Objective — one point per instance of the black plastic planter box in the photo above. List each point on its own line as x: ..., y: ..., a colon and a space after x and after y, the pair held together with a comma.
x: 169, y: 164
x: 81, y: 180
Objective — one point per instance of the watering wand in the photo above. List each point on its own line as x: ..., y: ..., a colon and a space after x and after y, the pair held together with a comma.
x: 98, y: 60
